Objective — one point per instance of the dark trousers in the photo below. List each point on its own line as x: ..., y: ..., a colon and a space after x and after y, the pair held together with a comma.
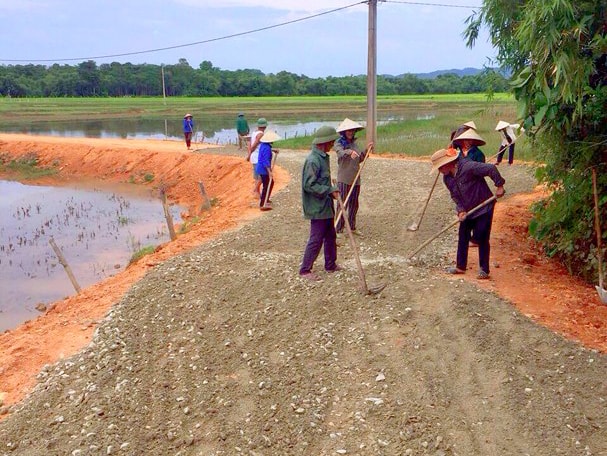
x: 267, y: 186
x: 188, y: 138
x: 322, y: 231
x: 352, y: 206
x: 481, y: 226
x: 510, y: 154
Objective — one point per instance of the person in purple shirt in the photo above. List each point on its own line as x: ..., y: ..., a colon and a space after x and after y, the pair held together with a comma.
x: 465, y: 180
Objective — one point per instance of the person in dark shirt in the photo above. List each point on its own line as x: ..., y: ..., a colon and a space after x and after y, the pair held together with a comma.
x: 465, y: 180
x: 317, y: 195
x: 468, y: 143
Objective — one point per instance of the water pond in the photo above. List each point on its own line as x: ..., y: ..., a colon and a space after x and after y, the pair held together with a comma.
x: 97, y: 229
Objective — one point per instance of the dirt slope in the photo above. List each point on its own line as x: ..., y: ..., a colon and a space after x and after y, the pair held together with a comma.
x: 223, y: 350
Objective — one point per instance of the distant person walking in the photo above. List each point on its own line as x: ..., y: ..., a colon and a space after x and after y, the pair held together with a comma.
x: 508, y: 140
x: 188, y: 130
x: 253, y: 154
x: 317, y: 194
x: 349, y: 157
x: 242, y: 130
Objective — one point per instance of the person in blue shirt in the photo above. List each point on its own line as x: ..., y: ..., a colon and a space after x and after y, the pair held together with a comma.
x: 264, y: 166
x: 188, y: 130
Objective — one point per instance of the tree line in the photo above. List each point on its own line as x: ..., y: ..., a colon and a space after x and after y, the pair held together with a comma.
x: 87, y: 79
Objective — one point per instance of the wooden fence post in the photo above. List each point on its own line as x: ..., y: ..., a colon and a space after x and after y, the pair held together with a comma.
x: 167, y: 214
x: 206, y: 204
x: 65, y: 265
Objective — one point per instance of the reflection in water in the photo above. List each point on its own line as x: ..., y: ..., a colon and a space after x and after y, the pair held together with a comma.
x: 216, y: 129
x: 97, y: 231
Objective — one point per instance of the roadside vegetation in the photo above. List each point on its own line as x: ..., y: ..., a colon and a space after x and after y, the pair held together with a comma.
x: 24, y: 168
x: 559, y: 77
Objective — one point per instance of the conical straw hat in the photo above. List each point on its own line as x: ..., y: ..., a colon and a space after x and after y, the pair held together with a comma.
x: 348, y: 124
x: 470, y: 124
x: 470, y: 135
x: 501, y: 125
x: 270, y: 136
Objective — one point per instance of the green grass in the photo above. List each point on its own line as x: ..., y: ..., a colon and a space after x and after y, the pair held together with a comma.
x: 141, y: 253
x: 25, y: 167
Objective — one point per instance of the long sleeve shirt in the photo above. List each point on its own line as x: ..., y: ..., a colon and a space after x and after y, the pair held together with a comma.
x: 264, y: 160
x: 347, y: 167
x: 468, y: 188
x: 188, y: 126
x: 316, y: 186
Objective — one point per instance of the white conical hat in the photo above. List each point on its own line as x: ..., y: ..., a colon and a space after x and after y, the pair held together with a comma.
x: 501, y: 125
x: 269, y: 137
x: 470, y: 124
x: 471, y: 135
x: 348, y: 124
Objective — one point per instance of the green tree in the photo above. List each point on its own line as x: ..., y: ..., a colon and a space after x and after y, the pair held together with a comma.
x: 557, y: 53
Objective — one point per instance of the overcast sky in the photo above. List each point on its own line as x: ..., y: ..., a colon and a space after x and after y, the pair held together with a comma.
x: 412, y: 37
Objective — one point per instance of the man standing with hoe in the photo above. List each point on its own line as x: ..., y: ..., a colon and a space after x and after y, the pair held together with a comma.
x: 317, y: 194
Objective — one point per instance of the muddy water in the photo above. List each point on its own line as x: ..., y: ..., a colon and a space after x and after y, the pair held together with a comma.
x: 97, y: 229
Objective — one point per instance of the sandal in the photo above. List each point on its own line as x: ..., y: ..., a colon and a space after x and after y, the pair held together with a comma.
x: 482, y: 275
x: 453, y: 270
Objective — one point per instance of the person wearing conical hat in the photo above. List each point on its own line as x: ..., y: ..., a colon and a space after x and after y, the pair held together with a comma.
x: 317, y: 195
x: 188, y: 130
x: 468, y: 143
x: 349, y: 157
x: 253, y: 152
x: 508, y: 140
x: 462, y: 128
x: 264, y: 168
x: 465, y: 180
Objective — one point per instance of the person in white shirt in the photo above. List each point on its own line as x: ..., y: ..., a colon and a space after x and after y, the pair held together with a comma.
x: 508, y: 139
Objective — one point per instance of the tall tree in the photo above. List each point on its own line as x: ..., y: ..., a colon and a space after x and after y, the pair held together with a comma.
x: 557, y: 52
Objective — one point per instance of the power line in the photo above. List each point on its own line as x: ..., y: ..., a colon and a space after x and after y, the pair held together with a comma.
x: 442, y: 5
x: 248, y: 32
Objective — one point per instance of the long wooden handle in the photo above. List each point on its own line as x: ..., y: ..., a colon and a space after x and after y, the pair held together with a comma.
x: 455, y: 222
x: 428, y: 199
x: 361, y: 271
x: 597, y: 224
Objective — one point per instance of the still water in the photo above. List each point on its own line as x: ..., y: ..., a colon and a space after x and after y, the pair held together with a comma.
x: 216, y: 129
x: 97, y: 229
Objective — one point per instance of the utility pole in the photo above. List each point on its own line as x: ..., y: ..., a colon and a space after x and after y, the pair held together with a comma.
x: 164, y: 93
x: 372, y: 73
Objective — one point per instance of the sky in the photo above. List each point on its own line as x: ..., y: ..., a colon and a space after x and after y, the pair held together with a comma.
x: 412, y: 36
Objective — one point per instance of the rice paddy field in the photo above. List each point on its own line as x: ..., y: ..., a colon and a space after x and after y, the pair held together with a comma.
x: 407, y: 125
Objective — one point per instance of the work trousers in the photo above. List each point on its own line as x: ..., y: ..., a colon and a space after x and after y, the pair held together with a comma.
x: 322, y: 231
x: 188, y: 138
x: 481, y: 226
x: 351, y: 206
x: 267, y: 186
x: 510, y: 154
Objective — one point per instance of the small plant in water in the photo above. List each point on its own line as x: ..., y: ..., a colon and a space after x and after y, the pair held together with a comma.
x: 122, y: 220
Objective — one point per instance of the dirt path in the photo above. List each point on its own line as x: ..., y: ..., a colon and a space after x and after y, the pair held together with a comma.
x: 223, y: 350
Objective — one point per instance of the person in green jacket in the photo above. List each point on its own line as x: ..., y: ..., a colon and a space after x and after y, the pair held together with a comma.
x: 317, y: 194
x: 242, y: 129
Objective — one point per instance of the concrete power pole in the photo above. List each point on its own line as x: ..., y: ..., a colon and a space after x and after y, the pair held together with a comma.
x: 372, y: 73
